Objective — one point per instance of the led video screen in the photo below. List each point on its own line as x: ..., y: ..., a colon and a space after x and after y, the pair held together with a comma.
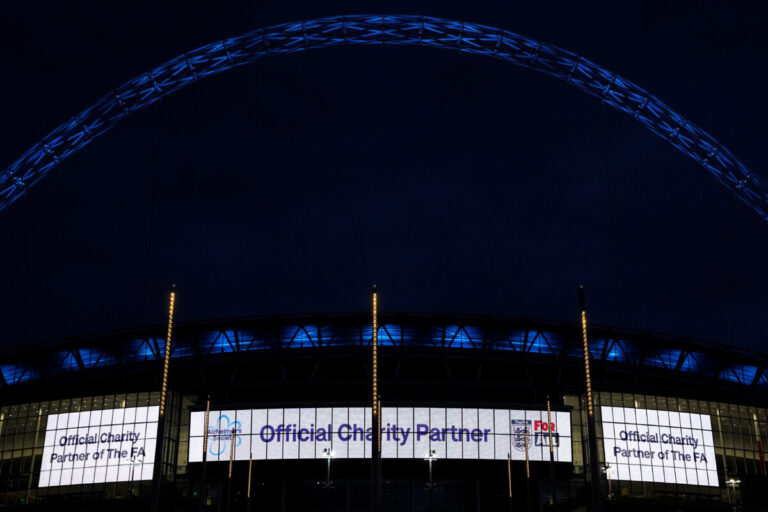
x: 406, y: 433
x: 112, y: 445
x: 647, y: 445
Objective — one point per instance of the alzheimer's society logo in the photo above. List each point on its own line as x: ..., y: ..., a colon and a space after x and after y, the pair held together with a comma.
x: 220, y: 435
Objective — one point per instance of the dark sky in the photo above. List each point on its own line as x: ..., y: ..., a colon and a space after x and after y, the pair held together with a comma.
x: 455, y: 182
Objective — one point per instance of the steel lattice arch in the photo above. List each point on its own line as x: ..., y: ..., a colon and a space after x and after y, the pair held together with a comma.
x: 403, y: 30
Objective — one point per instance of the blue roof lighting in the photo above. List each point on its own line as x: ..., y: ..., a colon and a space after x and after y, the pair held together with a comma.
x: 16, y: 373
x: 140, y: 350
x: 299, y: 336
x: 663, y: 359
x: 67, y: 361
x: 390, y: 335
x: 218, y: 342
x: 551, y: 340
x: 691, y: 363
x: 743, y: 374
x: 619, y: 351
x: 462, y: 337
x: 92, y: 358
x: 543, y: 343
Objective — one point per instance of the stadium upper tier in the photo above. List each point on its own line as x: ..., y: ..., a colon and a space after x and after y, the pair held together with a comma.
x: 539, y: 341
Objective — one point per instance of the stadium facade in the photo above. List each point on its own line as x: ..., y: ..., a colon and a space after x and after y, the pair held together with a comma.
x: 679, y: 424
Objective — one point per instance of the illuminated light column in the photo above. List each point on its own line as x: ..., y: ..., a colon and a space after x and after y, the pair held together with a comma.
x: 552, y: 475
x: 160, y: 451
x: 167, y: 355
x: 375, y: 404
x: 203, y: 477
x: 594, y: 465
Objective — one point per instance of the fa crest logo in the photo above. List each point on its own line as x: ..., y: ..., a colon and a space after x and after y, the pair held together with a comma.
x: 519, y: 429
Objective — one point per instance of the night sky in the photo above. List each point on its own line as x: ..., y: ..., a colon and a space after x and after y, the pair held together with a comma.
x: 456, y: 182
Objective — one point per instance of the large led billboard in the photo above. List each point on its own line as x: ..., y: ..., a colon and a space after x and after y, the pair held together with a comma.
x: 406, y: 433
x: 88, y: 447
x: 647, y: 445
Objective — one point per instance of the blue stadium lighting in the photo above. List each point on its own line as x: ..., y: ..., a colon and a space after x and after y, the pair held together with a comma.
x: 180, y: 351
x: 618, y: 351
x: 462, y: 337
x: 551, y: 341
x: 67, y: 361
x: 691, y: 363
x: 663, y: 359
x: 742, y: 374
x: 91, y: 358
x: 16, y: 373
x: 379, y: 30
x: 300, y: 336
x: 218, y: 342
x: 544, y: 343
x: 251, y: 341
x: 140, y: 350
x: 390, y: 335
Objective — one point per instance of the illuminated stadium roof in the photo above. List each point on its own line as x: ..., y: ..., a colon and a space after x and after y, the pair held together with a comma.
x: 539, y: 341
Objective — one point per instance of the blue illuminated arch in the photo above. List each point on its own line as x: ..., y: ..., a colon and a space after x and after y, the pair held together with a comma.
x: 409, y: 30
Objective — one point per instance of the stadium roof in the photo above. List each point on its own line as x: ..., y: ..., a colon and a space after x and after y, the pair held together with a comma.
x: 612, y: 348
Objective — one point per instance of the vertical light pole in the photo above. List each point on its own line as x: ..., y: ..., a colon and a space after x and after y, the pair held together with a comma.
x: 375, y: 404
x: 509, y: 480
x: 594, y: 468
x: 527, y: 473
x: 160, y: 451
x: 203, y: 477
x: 328, y: 455
x: 552, y: 476
x: 734, y: 500
x: 607, y: 468
x: 430, y: 486
x: 248, y: 493
x: 133, y: 462
x: 229, y: 474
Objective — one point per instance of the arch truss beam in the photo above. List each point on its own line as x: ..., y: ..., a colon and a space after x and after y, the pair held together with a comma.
x: 403, y: 30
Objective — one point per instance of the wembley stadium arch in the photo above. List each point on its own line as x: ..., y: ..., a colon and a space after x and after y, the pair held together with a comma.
x: 382, y: 30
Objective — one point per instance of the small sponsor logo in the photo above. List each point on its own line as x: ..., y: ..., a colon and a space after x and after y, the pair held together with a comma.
x: 221, y: 434
x: 537, y: 431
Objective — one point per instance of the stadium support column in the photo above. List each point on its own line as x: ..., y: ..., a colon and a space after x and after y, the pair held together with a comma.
x: 375, y: 406
x: 157, y: 475
x: 594, y: 466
